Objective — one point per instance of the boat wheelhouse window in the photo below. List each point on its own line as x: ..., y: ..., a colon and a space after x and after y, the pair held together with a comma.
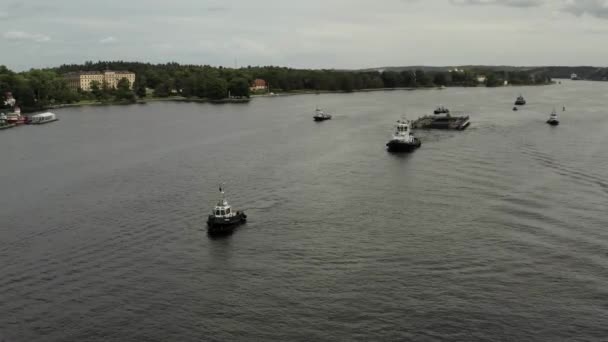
x: 222, y: 212
x: 227, y: 211
x: 217, y: 213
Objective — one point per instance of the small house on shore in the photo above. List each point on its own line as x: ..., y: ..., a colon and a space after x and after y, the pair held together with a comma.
x: 258, y: 84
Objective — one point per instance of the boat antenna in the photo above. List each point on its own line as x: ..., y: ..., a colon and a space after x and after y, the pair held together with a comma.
x: 222, y: 185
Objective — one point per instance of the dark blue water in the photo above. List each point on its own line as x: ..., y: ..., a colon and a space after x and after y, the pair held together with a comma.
x: 499, y: 232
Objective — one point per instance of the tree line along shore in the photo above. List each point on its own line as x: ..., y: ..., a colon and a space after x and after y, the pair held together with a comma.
x: 46, y: 88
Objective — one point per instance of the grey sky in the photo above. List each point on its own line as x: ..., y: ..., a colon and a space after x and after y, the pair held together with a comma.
x: 310, y: 33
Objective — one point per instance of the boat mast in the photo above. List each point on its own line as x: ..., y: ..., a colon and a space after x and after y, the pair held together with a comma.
x: 222, y: 199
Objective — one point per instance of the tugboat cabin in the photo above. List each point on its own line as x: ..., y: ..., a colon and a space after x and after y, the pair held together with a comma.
x: 223, y: 209
x: 403, y: 128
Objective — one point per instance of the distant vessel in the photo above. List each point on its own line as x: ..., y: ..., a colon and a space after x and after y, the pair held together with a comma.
x: 515, y: 109
x: 321, y: 115
x: 574, y: 77
x: 553, y: 121
x: 223, y: 218
x: 520, y: 101
x: 441, y: 110
x: 403, y: 140
x: 42, y: 118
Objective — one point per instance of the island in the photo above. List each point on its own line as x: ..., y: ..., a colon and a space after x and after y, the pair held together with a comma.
x: 119, y: 82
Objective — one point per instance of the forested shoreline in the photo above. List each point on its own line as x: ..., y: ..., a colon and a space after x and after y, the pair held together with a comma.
x: 41, y: 88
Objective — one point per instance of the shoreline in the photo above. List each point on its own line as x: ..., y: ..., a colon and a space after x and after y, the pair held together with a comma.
x: 246, y: 100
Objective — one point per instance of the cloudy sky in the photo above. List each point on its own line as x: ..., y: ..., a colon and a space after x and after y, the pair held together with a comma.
x: 305, y: 33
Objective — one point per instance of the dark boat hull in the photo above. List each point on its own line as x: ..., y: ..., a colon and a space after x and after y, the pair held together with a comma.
x: 553, y: 122
x: 219, y: 226
x: 322, y: 119
x: 520, y: 103
x: 399, y: 146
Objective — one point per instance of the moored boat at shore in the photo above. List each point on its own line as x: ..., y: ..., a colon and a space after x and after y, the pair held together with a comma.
x: 42, y: 118
x: 520, y: 101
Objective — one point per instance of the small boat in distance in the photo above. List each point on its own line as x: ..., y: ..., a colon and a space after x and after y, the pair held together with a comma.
x: 553, y: 121
x: 320, y: 115
x: 441, y: 110
x: 403, y: 140
x: 515, y: 109
x: 224, y: 218
x: 574, y: 77
x: 520, y: 101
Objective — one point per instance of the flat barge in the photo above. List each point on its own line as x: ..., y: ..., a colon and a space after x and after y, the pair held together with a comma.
x: 442, y: 121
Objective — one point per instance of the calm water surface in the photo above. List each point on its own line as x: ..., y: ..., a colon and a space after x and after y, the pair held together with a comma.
x: 499, y: 232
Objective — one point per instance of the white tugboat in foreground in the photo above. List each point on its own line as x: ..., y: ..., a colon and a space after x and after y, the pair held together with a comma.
x: 224, y: 218
x: 320, y: 115
x: 403, y: 140
x: 553, y: 121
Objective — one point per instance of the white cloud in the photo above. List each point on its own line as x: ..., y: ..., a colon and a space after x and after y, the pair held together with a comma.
x: 596, y: 8
x: 511, y: 3
x: 107, y: 40
x: 26, y: 36
x: 312, y: 33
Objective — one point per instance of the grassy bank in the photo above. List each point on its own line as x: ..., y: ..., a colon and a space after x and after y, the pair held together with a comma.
x: 138, y: 101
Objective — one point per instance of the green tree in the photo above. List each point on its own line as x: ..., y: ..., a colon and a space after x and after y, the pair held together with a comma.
x: 106, y: 91
x: 422, y: 79
x: 163, y: 89
x: 347, y: 83
x: 123, y: 90
x: 492, y: 80
x: 217, y: 89
x: 140, y: 86
x: 440, y: 79
x: 391, y: 79
x: 408, y: 79
x: 239, y: 87
x: 95, y: 87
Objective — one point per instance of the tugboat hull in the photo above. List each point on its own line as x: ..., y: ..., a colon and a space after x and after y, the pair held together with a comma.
x: 400, y: 146
x: 219, y: 225
x: 322, y: 118
x: 553, y: 122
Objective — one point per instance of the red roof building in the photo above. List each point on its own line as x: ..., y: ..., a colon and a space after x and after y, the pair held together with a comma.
x: 259, y: 84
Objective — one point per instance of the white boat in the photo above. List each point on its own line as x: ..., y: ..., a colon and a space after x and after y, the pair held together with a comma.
x: 320, y: 115
x: 42, y: 118
x: 403, y: 139
x: 574, y: 77
x: 553, y: 118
